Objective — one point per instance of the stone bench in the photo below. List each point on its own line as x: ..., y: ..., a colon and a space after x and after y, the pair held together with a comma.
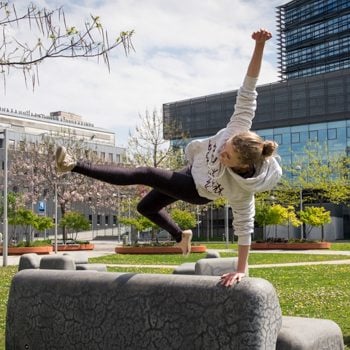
x: 208, y: 267
x: 189, y: 268
x: 66, y: 261
x: 297, y: 333
x: 75, y: 310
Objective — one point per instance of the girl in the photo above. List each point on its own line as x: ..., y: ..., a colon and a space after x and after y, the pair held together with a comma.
x: 235, y: 163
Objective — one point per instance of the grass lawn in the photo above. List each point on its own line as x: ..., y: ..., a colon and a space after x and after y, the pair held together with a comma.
x: 222, y: 245
x: 340, y: 246
x: 320, y: 291
x: 177, y: 259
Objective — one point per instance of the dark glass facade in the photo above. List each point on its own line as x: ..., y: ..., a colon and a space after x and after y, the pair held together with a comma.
x: 292, y: 113
x: 313, y: 37
x: 311, y: 103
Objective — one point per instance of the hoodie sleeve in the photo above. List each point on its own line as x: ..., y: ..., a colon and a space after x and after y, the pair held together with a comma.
x: 243, y: 211
x: 244, y: 112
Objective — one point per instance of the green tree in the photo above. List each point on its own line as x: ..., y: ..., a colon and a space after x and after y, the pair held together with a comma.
x: 275, y: 214
x: 183, y: 218
x: 322, y: 177
x: 139, y: 223
x: 75, y: 222
x: 26, y: 218
x: 42, y: 223
x: 315, y: 217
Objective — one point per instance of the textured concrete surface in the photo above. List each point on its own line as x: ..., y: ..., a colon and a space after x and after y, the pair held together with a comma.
x: 29, y: 261
x: 92, y: 267
x: 86, y: 310
x: 216, y: 267
x: 299, y: 333
x: 55, y: 262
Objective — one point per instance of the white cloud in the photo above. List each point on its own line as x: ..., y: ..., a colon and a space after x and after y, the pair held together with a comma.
x: 184, y: 49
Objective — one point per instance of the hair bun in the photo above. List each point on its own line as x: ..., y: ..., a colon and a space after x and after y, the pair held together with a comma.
x: 269, y: 148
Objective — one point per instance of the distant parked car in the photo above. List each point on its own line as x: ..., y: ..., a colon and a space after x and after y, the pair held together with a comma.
x: 164, y: 236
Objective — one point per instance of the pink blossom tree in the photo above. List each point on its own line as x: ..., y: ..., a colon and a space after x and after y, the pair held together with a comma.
x: 32, y: 172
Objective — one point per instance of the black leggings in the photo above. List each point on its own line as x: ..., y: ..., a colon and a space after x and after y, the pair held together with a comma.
x: 168, y: 187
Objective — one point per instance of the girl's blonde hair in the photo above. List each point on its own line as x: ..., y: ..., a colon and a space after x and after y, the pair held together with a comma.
x: 251, y: 148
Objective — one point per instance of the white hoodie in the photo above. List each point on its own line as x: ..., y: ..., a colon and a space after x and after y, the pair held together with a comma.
x: 214, y: 179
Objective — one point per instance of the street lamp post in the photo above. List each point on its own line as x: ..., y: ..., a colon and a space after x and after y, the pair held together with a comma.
x: 5, y: 236
x: 298, y: 168
x: 56, y: 218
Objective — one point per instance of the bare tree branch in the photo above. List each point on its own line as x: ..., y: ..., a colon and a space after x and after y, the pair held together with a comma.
x: 56, y: 39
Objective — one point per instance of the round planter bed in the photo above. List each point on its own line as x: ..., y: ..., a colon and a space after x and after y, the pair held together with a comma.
x: 26, y: 250
x: 158, y: 250
x: 71, y: 247
x: 291, y: 246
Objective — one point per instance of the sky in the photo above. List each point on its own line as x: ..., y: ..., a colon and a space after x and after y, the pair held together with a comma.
x: 183, y: 49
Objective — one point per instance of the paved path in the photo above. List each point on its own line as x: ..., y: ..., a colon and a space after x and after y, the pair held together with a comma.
x: 107, y: 247
x: 333, y: 262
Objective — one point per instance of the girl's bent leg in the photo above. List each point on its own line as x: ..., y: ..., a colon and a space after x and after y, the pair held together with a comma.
x: 152, y: 207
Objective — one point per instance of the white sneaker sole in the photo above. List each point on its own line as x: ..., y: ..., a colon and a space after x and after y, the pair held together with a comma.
x: 185, y: 248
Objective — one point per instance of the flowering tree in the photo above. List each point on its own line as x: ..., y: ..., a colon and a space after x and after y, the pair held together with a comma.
x: 47, y: 35
x: 32, y: 172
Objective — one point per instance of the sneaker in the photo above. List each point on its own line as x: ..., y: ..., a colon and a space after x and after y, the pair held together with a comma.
x: 64, y: 161
x: 185, y: 244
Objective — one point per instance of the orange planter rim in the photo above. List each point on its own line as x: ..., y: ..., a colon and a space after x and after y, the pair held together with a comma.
x: 158, y: 250
x: 72, y: 247
x: 291, y: 246
x: 26, y: 250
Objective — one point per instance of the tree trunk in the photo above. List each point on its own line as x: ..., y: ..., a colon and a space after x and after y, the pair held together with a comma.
x: 64, y: 231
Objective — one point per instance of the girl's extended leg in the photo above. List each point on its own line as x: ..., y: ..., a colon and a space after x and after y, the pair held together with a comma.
x: 176, y: 184
x: 169, y: 186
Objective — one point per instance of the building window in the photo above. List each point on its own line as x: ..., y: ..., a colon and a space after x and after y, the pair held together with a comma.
x: 98, y: 219
x: 295, y: 137
x: 103, y: 156
x: 332, y: 134
x: 90, y: 219
x: 313, y: 135
x: 107, y: 220
x: 110, y: 157
x: 348, y: 132
x: 278, y: 138
x: 114, y: 220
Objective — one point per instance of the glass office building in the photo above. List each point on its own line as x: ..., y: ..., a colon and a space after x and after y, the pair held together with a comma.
x: 292, y: 113
x: 311, y: 102
x: 313, y: 37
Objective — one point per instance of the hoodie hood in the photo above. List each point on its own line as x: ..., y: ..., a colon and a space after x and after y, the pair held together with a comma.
x: 265, y: 178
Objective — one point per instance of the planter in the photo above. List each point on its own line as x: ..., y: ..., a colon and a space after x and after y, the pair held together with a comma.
x: 158, y: 250
x: 26, y: 250
x: 290, y: 246
x: 71, y: 247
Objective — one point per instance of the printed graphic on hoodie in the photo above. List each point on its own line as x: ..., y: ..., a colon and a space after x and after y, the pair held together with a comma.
x: 212, y: 184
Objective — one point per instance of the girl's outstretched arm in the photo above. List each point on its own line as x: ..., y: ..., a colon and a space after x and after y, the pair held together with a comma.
x: 260, y: 37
